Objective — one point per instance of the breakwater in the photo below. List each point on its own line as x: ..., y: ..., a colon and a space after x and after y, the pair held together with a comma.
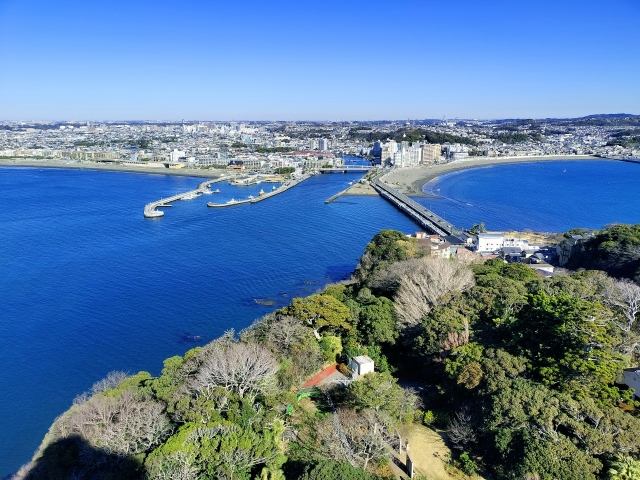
x: 150, y: 208
x: 283, y: 188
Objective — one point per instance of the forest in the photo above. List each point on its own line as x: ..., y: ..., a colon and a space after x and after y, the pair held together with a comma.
x: 521, y: 376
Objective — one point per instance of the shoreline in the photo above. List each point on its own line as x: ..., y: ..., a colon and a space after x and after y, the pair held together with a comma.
x: 155, y: 170
x: 410, y: 181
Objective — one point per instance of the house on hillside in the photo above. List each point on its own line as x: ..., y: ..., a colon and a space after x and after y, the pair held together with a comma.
x: 361, y: 365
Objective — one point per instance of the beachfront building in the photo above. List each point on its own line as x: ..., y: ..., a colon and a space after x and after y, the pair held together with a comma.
x: 430, y: 153
x: 388, y: 151
x: 176, y: 155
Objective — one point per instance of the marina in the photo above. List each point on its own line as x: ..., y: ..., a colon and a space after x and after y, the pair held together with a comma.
x: 150, y: 208
x: 262, y: 195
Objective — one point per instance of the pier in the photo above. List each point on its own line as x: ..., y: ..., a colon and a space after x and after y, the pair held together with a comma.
x: 421, y: 215
x: 283, y: 188
x: 150, y: 208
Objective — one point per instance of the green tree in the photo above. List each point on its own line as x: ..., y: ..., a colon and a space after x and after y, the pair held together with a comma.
x: 377, y: 321
x: 624, y: 468
x: 380, y: 392
x: 320, y: 311
x: 386, y: 247
x: 330, y: 470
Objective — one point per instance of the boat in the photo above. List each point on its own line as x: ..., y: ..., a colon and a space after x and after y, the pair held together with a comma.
x: 206, y: 191
x: 261, y: 193
x: 251, y: 197
x: 232, y: 201
x: 217, y: 190
x: 273, y: 188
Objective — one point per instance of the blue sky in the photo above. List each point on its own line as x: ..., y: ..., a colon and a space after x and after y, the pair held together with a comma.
x: 317, y: 60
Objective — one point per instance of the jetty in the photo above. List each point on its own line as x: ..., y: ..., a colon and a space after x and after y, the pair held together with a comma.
x: 150, y: 208
x: 283, y: 188
x: 418, y: 213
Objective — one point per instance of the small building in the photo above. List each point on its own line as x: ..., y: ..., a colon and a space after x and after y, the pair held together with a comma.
x: 512, y: 254
x: 632, y: 379
x: 361, y: 365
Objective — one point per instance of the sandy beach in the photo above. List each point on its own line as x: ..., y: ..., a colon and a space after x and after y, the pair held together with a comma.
x: 408, y: 180
x: 153, y: 168
x: 411, y: 180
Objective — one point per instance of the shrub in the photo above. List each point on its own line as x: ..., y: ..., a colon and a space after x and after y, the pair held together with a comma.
x: 429, y: 417
x: 467, y: 465
x: 331, y: 347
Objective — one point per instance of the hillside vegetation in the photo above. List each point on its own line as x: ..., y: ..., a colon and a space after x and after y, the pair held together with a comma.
x: 520, y: 372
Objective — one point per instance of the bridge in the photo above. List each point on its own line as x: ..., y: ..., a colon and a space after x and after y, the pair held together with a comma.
x: 150, y: 208
x: 346, y: 169
x: 421, y: 215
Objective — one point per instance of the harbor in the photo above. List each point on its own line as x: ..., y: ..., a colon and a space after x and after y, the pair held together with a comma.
x: 263, y: 195
x: 150, y: 209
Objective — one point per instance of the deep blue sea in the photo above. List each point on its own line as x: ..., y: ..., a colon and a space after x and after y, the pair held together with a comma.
x: 87, y: 285
x: 542, y: 196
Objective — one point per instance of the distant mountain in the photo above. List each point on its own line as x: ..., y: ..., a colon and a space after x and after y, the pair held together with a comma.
x: 608, y: 116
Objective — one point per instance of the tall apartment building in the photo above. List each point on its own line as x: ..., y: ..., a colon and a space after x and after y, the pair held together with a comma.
x: 431, y: 152
x: 388, y: 151
x: 323, y: 144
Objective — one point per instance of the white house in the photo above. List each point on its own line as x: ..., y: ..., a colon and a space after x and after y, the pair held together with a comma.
x: 632, y: 379
x: 361, y: 365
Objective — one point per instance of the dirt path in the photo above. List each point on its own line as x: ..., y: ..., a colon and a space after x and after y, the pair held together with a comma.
x: 428, y: 452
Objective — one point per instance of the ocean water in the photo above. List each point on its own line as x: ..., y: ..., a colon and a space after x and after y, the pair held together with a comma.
x: 88, y: 286
x: 542, y: 196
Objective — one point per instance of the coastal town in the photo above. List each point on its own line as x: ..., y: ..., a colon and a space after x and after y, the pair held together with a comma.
x: 310, y: 145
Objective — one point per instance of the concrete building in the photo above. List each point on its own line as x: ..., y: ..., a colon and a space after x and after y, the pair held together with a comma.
x: 431, y: 152
x: 176, y: 155
x: 323, y: 144
x: 516, y: 243
x: 361, y: 365
x: 377, y: 149
x: 388, y: 151
x: 489, y: 242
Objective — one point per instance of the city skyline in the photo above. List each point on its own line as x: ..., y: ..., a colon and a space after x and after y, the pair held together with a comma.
x: 329, y: 61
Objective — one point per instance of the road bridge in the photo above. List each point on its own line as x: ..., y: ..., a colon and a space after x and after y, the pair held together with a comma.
x: 346, y: 169
x: 421, y: 215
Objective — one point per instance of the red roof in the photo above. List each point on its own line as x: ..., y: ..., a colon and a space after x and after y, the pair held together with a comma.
x: 318, y: 377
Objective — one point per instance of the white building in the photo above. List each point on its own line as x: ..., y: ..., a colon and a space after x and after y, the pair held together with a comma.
x: 175, y: 155
x: 361, y: 365
x: 516, y: 242
x: 388, y: 151
x: 489, y: 242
